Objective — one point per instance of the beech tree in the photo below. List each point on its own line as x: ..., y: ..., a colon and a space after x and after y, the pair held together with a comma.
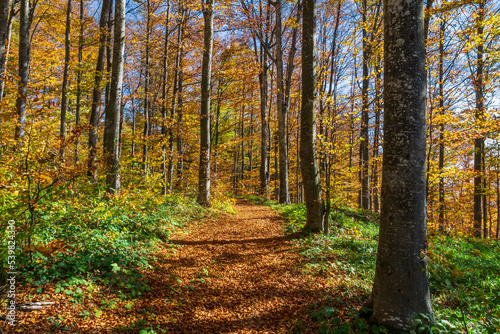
x: 24, y: 33
x: 204, y: 169
x: 112, y: 129
x: 401, y: 289
x: 316, y: 218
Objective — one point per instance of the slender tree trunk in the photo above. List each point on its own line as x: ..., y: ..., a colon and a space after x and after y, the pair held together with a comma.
x: 479, y: 142
x: 164, y: 102
x: 175, y: 93
x: 364, y: 196
x: 109, y: 58
x: 64, y: 98
x: 204, y: 170
x: 316, y: 219
x: 441, y: 204
x: 24, y: 29
x: 4, y: 40
x: 401, y: 290
x: 498, y: 196
x: 264, y: 135
x: 284, y: 196
x: 79, y: 81
x: 180, y: 127
x: 376, y: 138
x: 147, y: 112
x: 112, y: 131
x: 97, y: 91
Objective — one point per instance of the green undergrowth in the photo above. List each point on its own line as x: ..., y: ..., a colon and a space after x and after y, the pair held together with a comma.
x: 82, y: 238
x: 464, y: 272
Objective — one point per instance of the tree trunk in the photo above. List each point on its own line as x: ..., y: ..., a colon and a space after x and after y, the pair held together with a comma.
x: 79, y: 81
x: 4, y: 40
x: 284, y: 196
x: 204, y: 170
x: 479, y: 142
x: 164, y: 102
x: 147, y: 112
x: 175, y: 93
x: 97, y: 91
x: 376, y: 138
x: 401, y: 290
x: 264, y: 135
x: 364, y: 195
x: 316, y: 220
x: 64, y: 97
x: 441, y: 126
x: 180, y: 126
x: 24, y: 32
x: 112, y: 130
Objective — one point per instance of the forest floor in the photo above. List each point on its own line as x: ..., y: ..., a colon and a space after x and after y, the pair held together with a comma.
x: 238, y: 273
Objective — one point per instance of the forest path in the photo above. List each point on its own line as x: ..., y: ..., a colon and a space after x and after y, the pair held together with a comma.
x: 235, y: 274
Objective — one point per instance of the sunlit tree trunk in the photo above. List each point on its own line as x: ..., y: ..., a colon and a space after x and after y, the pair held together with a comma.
x: 401, y: 290
x: 97, y: 91
x: 316, y: 219
x: 64, y: 97
x: 204, y: 169
x: 112, y: 129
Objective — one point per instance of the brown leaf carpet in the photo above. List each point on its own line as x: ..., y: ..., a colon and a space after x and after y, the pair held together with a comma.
x: 234, y: 274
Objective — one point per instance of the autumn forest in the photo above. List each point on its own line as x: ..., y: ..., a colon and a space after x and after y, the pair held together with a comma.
x: 351, y: 145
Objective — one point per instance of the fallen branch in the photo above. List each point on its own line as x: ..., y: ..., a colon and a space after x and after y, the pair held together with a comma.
x: 27, y: 307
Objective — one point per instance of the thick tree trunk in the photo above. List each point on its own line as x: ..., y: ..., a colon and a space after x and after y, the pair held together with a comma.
x: 64, y: 97
x: 24, y: 32
x: 316, y: 219
x: 204, y: 170
x: 112, y: 129
x: 401, y: 290
x: 479, y: 142
x: 97, y: 91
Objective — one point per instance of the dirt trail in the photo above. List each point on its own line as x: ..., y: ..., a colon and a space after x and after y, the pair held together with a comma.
x: 238, y: 274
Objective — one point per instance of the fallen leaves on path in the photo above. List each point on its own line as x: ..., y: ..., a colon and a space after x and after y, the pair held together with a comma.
x: 235, y: 274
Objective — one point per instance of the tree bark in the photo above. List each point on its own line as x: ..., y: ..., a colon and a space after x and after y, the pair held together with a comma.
x: 479, y: 142
x: 79, y: 81
x: 316, y: 219
x: 204, y: 170
x: 401, y: 290
x: 24, y: 32
x: 112, y: 129
x: 147, y: 112
x: 164, y: 101
x: 97, y: 91
x: 364, y: 195
x: 284, y: 197
x: 441, y: 126
x: 4, y: 39
x: 64, y: 97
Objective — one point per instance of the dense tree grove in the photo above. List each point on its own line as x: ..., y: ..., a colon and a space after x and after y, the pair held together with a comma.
x: 300, y: 101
